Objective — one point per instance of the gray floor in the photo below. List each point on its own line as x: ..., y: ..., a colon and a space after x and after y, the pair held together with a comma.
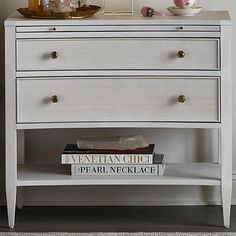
x: 118, y: 219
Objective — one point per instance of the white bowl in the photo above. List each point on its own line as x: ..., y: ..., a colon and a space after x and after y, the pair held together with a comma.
x: 184, y: 11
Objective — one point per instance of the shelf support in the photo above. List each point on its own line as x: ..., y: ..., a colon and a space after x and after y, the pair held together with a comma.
x: 226, y: 121
x: 11, y: 132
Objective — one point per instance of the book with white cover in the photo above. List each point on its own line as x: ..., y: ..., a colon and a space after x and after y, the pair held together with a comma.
x: 119, y: 170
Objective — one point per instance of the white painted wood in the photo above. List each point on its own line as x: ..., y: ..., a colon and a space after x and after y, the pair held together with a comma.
x: 205, y: 18
x: 226, y: 130
x: 98, y: 73
x: 11, y: 136
x: 94, y: 100
x: 175, y: 174
x: 20, y: 160
x: 128, y: 28
x: 101, y: 34
x: 118, y: 53
x: 167, y: 125
x: 104, y: 63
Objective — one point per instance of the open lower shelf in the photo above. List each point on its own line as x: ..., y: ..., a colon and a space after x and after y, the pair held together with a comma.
x: 174, y: 174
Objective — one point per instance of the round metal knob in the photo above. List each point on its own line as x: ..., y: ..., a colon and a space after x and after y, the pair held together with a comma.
x: 54, y: 99
x: 182, y: 99
x: 54, y: 55
x: 181, y: 54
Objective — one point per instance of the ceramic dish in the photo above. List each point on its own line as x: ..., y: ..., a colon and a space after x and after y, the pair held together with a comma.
x: 82, y: 12
x: 184, y: 11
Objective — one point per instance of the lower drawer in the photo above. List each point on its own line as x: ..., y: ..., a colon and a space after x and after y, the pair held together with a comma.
x: 118, y: 99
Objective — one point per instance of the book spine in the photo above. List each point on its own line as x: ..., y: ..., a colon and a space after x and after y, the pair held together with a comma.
x: 118, y: 170
x: 106, y: 159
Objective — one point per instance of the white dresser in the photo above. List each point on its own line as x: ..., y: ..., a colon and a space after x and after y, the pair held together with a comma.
x: 119, y: 72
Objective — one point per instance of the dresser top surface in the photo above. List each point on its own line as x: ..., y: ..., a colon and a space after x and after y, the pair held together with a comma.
x: 204, y: 18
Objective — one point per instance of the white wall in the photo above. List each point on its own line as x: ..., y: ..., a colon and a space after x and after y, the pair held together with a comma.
x: 191, y: 145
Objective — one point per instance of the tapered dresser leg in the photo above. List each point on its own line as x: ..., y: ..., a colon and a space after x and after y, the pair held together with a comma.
x: 226, y: 190
x: 226, y: 175
x: 11, y: 204
x: 11, y: 174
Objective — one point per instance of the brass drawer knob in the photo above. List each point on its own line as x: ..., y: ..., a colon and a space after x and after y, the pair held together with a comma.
x: 182, y: 99
x: 54, y: 99
x: 181, y: 54
x: 54, y: 55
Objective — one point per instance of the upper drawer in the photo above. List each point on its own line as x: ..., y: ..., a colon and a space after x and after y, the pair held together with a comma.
x: 118, y: 54
x: 118, y: 100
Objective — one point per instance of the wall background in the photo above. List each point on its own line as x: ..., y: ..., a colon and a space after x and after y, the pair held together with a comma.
x: 186, y: 145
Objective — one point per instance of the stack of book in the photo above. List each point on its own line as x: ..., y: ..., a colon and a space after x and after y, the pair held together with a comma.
x: 132, y: 162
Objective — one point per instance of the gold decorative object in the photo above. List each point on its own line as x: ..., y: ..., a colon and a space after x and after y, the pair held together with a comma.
x: 33, y: 5
x: 81, y: 12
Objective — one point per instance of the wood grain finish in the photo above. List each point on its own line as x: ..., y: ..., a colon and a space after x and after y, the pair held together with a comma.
x: 117, y: 99
x: 118, y: 53
x: 119, y: 72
